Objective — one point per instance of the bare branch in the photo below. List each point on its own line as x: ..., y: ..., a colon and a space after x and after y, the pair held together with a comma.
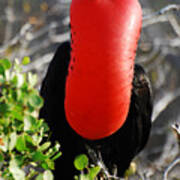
x: 172, y: 20
x: 159, y: 16
x: 42, y: 31
x: 170, y: 167
x: 174, y: 7
x: 60, y: 38
x: 10, y: 17
x: 164, y: 102
x: 174, y: 43
x: 27, y: 27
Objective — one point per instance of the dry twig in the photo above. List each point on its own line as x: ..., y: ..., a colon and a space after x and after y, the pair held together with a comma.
x: 164, y: 102
x: 170, y: 167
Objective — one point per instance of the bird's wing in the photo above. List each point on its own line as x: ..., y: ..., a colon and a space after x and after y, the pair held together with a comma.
x: 53, y: 88
x: 141, y: 107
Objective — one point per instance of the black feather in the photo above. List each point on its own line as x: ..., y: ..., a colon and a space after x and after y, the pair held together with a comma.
x: 116, y: 151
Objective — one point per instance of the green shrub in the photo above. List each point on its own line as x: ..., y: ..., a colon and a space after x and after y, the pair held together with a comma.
x: 25, y: 151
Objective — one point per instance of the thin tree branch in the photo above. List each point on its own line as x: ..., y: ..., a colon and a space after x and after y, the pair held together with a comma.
x: 164, y: 102
x: 170, y: 167
x: 174, y: 7
x: 27, y: 27
x: 159, y: 16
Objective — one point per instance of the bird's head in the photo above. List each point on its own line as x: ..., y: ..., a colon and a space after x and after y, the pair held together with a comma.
x: 104, y: 36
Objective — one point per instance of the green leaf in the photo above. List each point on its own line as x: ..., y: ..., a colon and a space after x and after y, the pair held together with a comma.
x: 20, y: 159
x: 93, y: 172
x: 2, y: 69
x: 37, y: 139
x: 17, y: 172
x: 29, y: 123
x: 45, y: 126
x: 84, y: 177
x: 38, y: 156
x: 30, y: 145
x: 17, y: 115
x: 4, y: 108
x: 5, y: 63
x: 47, y: 175
x: 39, y: 177
x: 21, y: 143
x: 26, y: 60
x: 81, y: 162
x: 1, y: 157
x: 12, y: 141
x: 35, y: 100
x: 50, y: 164
x: 76, y: 177
x: 18, y: 125
x: 13, y: 94
x: 57, y: 156
x: 44, y: 165
x: 14, y: 80
x: 2, y: 80
x: 44, y: 146
x: 53, y: 150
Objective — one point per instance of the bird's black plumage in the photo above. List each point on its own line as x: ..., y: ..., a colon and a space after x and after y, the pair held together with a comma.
x: 116, y: 151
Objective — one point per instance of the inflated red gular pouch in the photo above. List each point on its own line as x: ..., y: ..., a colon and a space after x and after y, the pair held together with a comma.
x: 98, y: 87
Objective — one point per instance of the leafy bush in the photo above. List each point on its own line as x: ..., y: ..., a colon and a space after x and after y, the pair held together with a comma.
x: 25, y: 151
x: 81, y: 163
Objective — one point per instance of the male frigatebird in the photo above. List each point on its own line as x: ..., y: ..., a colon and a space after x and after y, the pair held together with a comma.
x: 94, y: 96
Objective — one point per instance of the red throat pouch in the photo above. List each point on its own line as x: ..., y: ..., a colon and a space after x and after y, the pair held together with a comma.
x: 98, y: 87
